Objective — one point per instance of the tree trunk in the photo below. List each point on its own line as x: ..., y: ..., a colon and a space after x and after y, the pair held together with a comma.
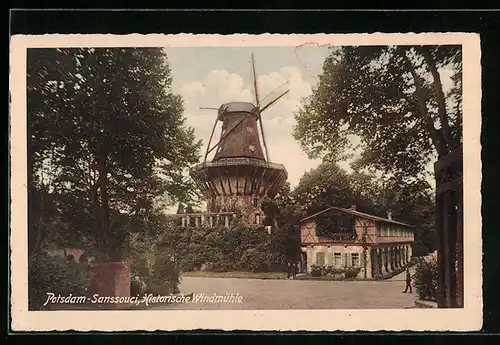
x: 436, y: 136
x: 438, y: 87
x: 107, y: 245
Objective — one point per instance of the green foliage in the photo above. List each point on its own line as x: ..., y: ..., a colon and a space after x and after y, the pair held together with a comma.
x: 390, y: 110
x: 224, y: 249
x: 57, y: 275
x: 390, y: 98
x: 107, y: 142
x: 332, y: 271
x: 329, y: 185
x: 317, y: 271
x: 151, y: 264
x: 425, y: 278
x: 352, y: 272
x: 419, y: 249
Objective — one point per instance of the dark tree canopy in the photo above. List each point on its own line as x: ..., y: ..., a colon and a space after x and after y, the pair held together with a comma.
x: 107, y: 140
x: 393, y: 99
x: 329, y: 185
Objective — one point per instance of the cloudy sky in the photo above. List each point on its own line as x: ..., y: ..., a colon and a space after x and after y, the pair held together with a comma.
x: 209, y: 77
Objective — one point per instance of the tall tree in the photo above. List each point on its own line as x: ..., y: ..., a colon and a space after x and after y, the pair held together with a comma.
x: 392, y: 98
x: 322, y: 187
x: 106, y: 127
x: 329, y: 185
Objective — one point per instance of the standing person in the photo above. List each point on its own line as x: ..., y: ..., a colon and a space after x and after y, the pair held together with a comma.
x: 408, y: 281
x: 289, y: 269
x: 294, y: 272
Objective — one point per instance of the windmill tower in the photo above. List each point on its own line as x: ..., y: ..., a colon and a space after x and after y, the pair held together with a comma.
x: 240, y: 174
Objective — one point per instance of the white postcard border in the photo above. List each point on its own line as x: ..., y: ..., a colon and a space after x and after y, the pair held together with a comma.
x: 467, y: 319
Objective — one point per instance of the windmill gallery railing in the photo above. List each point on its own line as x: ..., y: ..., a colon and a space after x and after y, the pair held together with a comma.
x: 449, y: 229
x: 204, y: 219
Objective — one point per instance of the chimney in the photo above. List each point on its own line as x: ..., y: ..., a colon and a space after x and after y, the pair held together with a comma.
x: 389, y: 214
x: 353, y: 207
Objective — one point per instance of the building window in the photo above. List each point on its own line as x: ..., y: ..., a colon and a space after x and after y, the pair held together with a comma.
x: 337, y: 259
x: 320, y: 259
x: 254, y: 185
x: 255, y: 202
x: 257, y: 219
x: 355, y: 260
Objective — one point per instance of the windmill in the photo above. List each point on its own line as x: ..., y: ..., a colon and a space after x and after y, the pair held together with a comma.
x: 240, y: 174
x: 235, y: 122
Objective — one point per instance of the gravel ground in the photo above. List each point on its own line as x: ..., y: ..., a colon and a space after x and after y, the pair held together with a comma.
x: 297, y: 294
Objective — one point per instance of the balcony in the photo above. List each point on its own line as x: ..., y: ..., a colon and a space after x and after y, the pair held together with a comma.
x: 205, y: 219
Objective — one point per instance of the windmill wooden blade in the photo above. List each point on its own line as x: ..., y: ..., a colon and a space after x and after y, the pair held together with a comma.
x: 255, y: 87
x: 273, y: 101
x: 273, y: 96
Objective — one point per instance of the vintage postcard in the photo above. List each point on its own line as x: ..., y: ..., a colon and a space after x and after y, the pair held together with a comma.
x: 246, y: 182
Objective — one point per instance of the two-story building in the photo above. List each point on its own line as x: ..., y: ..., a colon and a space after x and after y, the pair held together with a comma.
x: 349, y: 236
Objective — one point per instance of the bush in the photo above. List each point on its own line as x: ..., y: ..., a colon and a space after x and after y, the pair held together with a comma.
x: 151, y: 265
x: 332, y: 270
x: 352, y: 272
x: 323, y: 271
x: 47, y: 274
x: 419, y: 249
x: 425, y: 279
x: 225, y: 249
x: 316, y: 271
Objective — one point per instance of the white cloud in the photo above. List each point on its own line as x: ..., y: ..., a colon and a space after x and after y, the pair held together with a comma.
x: 220, y: 86
x: 192, y: 89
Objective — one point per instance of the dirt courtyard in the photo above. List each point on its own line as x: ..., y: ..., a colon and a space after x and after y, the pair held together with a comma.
x: 295, y: 294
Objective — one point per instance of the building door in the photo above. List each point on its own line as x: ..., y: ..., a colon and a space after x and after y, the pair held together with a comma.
x: 303, y: 262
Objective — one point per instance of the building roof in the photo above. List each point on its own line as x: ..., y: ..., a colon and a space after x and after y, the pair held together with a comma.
x: 359, y: 214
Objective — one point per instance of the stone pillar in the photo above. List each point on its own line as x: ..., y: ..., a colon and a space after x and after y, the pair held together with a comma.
x: 390, y: 265
x: 196, y: 221
x: 211, y: 221
x: 183, y: 221
x: 374, y: 261
x: 409, y: 253
x: 369, y: 271
x: 380, y: 262
x: 202, y: 220
x: 397, y: 257
x: 188, y: 220
x: 401, y: 256
x: 226, y: 221
x: 386, y: 260
x: 110, y: 279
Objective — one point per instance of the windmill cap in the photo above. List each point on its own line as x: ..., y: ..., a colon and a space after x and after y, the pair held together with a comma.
x: 236, y: 107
